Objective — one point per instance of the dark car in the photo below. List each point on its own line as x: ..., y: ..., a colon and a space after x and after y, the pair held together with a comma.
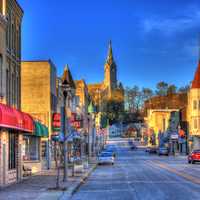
x: 151, y: 149
x: 163, y: 151
x: 133, y: 147
x: 194, y: 156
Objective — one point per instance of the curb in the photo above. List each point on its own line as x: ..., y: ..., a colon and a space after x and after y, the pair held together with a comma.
x: 69, y: 193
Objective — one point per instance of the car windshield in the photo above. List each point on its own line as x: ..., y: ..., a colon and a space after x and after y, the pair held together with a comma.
x: 105, y: 155
x: 196, y: 151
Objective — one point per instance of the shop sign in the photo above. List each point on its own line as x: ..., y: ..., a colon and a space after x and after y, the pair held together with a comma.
x: 56, y: 121
x: 174, y: 136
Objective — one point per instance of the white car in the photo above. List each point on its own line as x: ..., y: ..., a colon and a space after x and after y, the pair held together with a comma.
x: 106, y: 157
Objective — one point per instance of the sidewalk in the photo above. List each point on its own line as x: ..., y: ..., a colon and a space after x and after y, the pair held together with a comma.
x: 40, y: 186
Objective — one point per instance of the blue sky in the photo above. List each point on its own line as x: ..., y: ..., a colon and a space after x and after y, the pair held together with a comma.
x: 153, y: 40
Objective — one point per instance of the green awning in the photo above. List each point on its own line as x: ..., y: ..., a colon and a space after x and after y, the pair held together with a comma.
x: 41, y: 130
x: 45, y: 131
x: 38, y: 129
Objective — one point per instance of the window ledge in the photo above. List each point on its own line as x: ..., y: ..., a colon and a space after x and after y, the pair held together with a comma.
x: 32, y: 161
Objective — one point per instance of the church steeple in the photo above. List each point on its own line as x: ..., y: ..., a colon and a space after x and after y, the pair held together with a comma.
x: 110, y: 59
x: 110, y: 70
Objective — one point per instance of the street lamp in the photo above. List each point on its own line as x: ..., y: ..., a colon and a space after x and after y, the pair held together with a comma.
x: 67, y: 85
x: 88, y: 156
x: 65, y: 89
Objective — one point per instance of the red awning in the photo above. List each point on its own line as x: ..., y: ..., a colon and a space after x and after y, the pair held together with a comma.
x: 15, y: 119
x: 28, y: 123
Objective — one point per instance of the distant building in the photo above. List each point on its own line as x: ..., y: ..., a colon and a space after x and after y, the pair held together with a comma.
x: 166, y: 115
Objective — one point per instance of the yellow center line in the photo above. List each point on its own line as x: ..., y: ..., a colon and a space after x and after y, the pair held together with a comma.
x: 181, y: 174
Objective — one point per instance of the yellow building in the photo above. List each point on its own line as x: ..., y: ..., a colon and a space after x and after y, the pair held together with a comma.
x: 194, y: 111
x: 38, y: 96
x: 158, y: 119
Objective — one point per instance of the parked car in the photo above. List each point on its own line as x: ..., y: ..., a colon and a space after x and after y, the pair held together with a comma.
x: 106, y: 157
x: 163, y: 151
x: 110, y: 151
x: 194, y: 156
x: 151, y: 149
x: 133, y: 147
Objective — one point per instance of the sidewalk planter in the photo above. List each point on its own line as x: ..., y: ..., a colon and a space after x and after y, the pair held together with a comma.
x: 31, y: 150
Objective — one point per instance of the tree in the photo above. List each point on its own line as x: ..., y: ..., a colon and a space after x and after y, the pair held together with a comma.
x: 162, y: 88
x: 184, y: 89
x: 147, y: 93
x: 171, y: 89
x: 133, y: 98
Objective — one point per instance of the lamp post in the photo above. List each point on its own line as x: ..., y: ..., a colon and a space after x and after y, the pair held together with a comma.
x: 67, y: 85
x: 65, y: 89
x: 88, y: 156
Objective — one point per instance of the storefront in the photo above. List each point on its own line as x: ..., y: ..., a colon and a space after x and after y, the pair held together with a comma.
x: 31, y: 150
x: 13, y: 124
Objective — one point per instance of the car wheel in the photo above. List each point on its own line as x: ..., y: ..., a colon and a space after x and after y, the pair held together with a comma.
x: 112, y: 163
x: 193, y: 162
x: 189, y: 161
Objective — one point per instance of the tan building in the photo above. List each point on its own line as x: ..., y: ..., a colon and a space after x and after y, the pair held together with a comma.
x: 38, y: 96
x: 10, y: 61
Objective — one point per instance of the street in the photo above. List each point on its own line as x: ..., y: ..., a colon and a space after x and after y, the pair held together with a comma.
x: 138, y: 175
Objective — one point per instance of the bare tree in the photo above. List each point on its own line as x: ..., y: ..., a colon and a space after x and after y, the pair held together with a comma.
x: 172, y: 89
x: 162, y: 88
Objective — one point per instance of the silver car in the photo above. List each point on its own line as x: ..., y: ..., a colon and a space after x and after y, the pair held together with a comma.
x: 163, y: 151
x: 106, y: 157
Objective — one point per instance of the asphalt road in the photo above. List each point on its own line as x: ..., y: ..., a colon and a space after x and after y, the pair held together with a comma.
x: 138, y: 175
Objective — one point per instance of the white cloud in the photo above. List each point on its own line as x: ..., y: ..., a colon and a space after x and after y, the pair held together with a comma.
x: 169, y: 26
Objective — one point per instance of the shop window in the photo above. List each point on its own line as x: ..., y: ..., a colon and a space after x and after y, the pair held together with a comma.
x: 12, y: 151
x: 31, y: 148
x: 194, y: 105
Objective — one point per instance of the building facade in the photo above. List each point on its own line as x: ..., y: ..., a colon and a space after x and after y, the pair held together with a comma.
x: 38, y: 98
x: 194, y: 111
x: 10, y: 64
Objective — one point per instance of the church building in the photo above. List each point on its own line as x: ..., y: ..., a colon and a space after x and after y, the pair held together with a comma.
x: 109, y: 89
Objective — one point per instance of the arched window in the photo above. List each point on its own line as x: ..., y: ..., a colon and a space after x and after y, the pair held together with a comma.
x: 194, y: 105
x: 195, y: 123
x: 1, y: 6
